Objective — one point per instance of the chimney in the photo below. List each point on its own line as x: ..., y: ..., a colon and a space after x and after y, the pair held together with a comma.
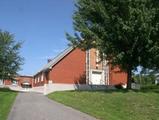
x: 48, y: 60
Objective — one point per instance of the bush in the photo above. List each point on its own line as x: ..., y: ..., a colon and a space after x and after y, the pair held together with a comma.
x: 119, y: 86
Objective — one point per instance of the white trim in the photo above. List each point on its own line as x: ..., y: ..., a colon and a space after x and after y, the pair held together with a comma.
x: 106, y: 72
x: 86, y: 67
x: 89, y: 66
x: 97, y: 56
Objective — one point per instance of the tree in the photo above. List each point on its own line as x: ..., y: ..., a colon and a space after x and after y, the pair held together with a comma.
x: 125, y: 31
x: 146, y: 76
x: 10, y: 59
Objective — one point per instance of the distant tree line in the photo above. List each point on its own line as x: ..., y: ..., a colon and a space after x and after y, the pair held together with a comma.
x: 146, y: 77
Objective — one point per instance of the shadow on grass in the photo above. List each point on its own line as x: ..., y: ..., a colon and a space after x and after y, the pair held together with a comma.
x: 151, y: 88
x: 148, y: 89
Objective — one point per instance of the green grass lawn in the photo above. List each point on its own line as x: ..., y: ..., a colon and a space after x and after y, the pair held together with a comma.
x: 7, y: 98
x: 113, y: 105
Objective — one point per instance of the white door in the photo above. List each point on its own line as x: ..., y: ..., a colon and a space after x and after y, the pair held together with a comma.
x: 97, y: 78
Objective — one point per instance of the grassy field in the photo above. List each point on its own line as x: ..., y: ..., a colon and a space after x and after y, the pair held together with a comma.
x: 7, y: 98
x: 113, y: 105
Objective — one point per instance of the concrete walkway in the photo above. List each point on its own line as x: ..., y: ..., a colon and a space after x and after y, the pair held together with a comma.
x: 20, y: 89
x: 36, y: 106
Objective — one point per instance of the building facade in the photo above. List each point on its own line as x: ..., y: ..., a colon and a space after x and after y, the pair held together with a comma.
x: 24, y: 81
x: 74, y: 66
x: 19, y: 81
x: 7, y: 82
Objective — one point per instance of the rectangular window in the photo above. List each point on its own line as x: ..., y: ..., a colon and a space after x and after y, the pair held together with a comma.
x: 35, y: 80
x: 97, y: 59
x: 42, y: 77
x: 97, y: 56
x: 38, y: 78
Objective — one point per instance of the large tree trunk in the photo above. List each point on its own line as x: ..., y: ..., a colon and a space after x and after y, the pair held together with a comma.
x: 129, y: 78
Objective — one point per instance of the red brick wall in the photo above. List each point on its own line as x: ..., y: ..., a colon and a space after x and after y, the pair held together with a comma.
x: 71, y: 69
x: 41, y: 80
x: 22, y: 79
x: 117, y: 76
x: 40, y: 83
x: 7, y: 82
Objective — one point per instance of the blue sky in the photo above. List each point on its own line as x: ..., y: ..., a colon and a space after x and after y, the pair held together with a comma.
x: 41, y: 24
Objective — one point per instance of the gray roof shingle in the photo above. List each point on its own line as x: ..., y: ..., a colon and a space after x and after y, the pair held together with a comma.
x: 55, y: 60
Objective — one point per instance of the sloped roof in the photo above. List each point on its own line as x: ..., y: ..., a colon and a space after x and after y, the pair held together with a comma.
x: 55, y: 60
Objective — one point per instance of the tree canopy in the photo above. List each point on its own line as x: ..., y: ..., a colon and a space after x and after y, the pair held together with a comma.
x: 125, y: 31
x: 10, y: 60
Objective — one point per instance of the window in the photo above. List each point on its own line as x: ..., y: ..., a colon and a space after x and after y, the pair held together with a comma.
x: 42, y: 77
x: 97, y: 59
x: 38, y: 78
x: 97, y: 56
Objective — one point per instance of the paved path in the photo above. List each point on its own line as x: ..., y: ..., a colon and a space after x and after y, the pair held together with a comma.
x: 35, y: 106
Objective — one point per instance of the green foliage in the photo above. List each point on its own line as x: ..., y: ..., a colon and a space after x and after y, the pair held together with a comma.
x: 126, y: 31
x: 10, y: 59
x: 145, y: 79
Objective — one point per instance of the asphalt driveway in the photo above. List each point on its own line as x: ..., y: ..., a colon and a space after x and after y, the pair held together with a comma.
x: 36, y: 106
